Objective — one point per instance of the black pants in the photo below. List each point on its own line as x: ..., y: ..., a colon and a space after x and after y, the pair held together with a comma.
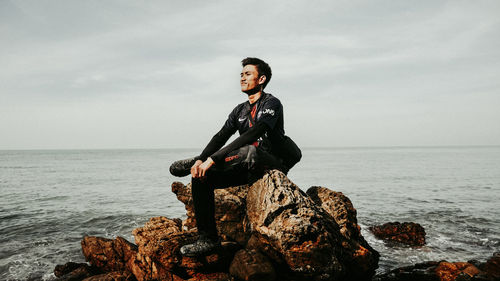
x: 243, y: 166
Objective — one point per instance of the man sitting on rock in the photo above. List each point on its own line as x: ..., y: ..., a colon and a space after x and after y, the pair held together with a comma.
x: 262, y: 145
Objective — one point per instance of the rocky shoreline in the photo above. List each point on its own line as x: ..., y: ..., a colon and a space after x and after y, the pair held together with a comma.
x: 271, y: 230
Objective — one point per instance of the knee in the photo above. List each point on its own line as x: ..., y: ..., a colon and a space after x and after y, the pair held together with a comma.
x: 199, y: 183
x: 195, y: 183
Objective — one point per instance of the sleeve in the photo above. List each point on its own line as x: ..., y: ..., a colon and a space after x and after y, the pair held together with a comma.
x: 248, y: 137
x: 270, y: 112
x: 219, y: 139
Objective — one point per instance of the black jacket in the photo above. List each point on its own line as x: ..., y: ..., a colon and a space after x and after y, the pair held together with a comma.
x: 266, y: 128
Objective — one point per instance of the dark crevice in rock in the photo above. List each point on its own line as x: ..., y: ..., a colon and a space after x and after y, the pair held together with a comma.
x: 270, y: 217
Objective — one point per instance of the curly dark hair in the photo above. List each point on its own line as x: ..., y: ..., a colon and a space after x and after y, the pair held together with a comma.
x: 262, y: 67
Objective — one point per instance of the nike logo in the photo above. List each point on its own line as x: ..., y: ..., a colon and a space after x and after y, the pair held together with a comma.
x: 241, y: 119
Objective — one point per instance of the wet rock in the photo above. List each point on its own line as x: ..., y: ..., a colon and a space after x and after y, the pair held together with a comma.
x: 289, y: 223
x: 112, y: 276
x: 421, y: 271
x: 74, y: 271
x: 251, y: 265
x: 407, y: 233
x: 215, y: 276
x: 62, y: 269
x: 435, y: 271
x: 447, y: 271
x: 359, y: 256
x: 109, y: 255
x: 229, y: 210
x: 492, y: 267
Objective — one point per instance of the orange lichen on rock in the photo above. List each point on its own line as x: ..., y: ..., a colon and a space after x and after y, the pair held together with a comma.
x: 447, y: 271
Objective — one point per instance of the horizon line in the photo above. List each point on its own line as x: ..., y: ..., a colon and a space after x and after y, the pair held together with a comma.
x: 305, y: 147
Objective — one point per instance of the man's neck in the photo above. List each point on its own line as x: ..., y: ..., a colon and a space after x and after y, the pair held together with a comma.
x: 254, y: 97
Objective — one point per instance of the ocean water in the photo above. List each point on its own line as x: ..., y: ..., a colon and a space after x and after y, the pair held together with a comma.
x: 50, y: 199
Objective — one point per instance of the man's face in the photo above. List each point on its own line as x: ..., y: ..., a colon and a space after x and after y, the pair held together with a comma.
x: 250, y: 80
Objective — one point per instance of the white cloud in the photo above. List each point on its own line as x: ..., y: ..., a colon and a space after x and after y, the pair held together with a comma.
x: 133, y: 74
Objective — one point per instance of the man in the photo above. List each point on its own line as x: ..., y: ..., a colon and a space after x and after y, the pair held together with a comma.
x: 262, y: 145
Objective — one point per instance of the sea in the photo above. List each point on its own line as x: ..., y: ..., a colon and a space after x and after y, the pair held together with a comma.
x: 51, y: 199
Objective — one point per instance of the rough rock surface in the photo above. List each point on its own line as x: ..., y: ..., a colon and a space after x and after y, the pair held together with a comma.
x: 158, y: 256
x: 492, y: 267
x: 250, y: 265
x: 74, y: 271
x: 290, y: 225
x: 407, y: 233
x: 359, y: 256
x: 278, y: 232
x: 63, y: 269
x: 112, y: 276
x: 229, y: 210
x: 156, y: 228
x: 445, y: 271
x: 108, y: 255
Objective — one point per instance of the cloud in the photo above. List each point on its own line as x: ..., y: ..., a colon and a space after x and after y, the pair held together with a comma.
x: 355, y: 65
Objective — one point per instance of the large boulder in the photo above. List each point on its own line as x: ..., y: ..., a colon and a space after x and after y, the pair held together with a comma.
x: 109, y: 255
x: 409, y: 233
x: 358, y: 255
x: 288, y: 224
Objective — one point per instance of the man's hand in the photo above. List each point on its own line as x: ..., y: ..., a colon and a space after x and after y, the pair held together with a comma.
x: 195, y: 168
x: 199, y: 169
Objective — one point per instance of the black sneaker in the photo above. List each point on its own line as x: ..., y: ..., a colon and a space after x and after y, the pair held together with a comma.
x: 202, y: 247
x: 182, y: 168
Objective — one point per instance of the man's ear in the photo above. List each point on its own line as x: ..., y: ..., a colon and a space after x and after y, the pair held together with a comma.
x: 262, y: 79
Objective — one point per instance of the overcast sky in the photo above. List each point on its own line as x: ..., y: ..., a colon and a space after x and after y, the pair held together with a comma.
x: 165, y: 74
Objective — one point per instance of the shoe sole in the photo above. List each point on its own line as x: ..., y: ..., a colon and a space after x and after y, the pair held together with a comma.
x: 207, y: 253
x: 182, y: 168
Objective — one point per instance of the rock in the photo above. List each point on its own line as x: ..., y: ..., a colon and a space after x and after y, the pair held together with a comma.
x: 492, y: 267
x: 289, y: 224
x: 251, y: 265
x: 421, y: 271
x: 63, y: 269
x: 435, y: 271
x: 74, y: 271
x: 156, y: 228
x: 229, y: 210
x: 285, y: 234
x: 447, y: 271
x: 215, y: 276
x: 407, y: 233
x: 109, y: 255
x: 216, y: 262
x: 159, y: 257
x: 112, y: 276
x: 339, y: 207
x: 359, y: 256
